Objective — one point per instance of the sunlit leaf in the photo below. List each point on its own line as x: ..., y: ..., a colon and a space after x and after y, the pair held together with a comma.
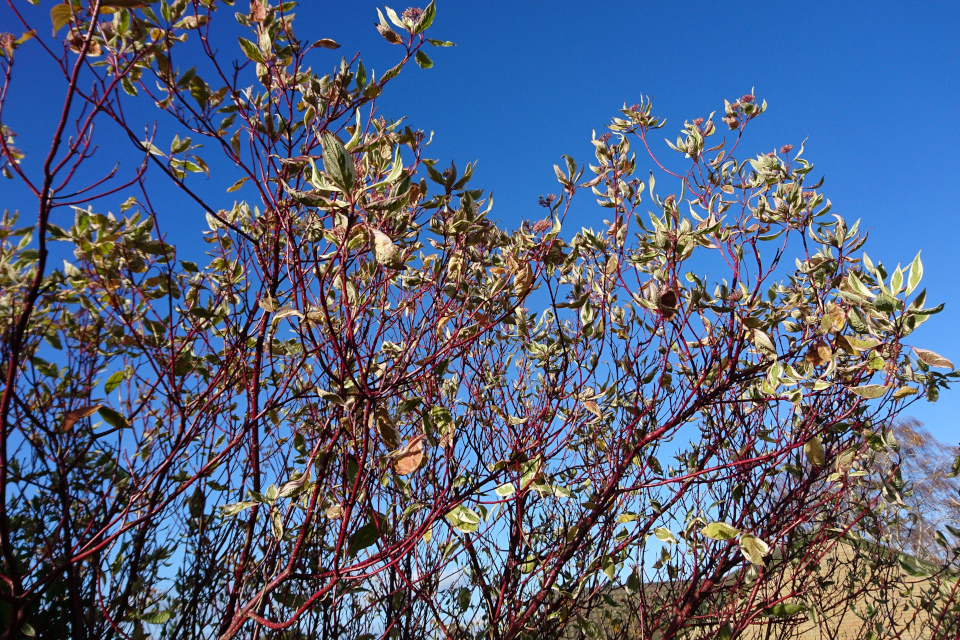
x: 813, y: 450
x: 463, y: 519
x: 870, y: 391
x: 71, y: 417
x: 60, y: 15
x: 423, y: 60
x: 932, y: 359
x: 753, y: 548
x: 720, y: 531
x: 408, y: 459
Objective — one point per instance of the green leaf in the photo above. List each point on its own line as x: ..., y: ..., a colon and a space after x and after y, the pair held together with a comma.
x: 113, y: 418
x: 426, y: 19
x: 423, y: 60
x: 609, y: 567
x: 337, y: 162
x: 28, y: 630
x: 363, y: 538
x: 787, y: 609
x: 60, y: 15
x: 955, y: 470
x: 869, y: 391
x: 932, y: 359
x: 463, y: 519
x: 915, y: 275
x: 885, y: 303
x: 250, y: 50
x: 720, y: 531
x: 441, y: 43
x: 725, y: 632
x: 155, y: 617
x: 114, y: 381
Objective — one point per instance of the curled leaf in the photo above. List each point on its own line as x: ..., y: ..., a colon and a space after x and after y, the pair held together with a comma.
x: 385, y: 252
x: 522, y: 279
x: 386, y: 428
x: 463, y: 519
x: 667, y: 304
x: 593, y: 408
x: 754, y: 549
x: 409, y: 457
x: 334, y: 512
x: 72, y: 417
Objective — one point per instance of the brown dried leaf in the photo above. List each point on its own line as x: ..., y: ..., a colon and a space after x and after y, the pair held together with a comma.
x: 409, y: 458
x: 258, y: 11
x: 386, y: 428
x: 522, y: 279
x: 77, y: 414
x: 389, y: 34
x: 593, y: 408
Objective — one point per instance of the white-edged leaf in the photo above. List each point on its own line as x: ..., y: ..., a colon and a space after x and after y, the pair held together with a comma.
x: 753, y: 548
x: 932, y: 359
x: 664, y: 534
x: 235, y: 508
x: 505, y: 490
x: 463, y: 519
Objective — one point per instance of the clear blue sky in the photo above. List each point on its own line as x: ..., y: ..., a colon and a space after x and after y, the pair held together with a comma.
x: 874, y: 88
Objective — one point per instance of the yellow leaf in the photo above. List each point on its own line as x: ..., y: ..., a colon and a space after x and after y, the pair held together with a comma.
x: 813, y: 450
x: 60, y: 15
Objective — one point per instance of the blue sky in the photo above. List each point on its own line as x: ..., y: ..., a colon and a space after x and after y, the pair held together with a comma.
x: 874, y: 88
